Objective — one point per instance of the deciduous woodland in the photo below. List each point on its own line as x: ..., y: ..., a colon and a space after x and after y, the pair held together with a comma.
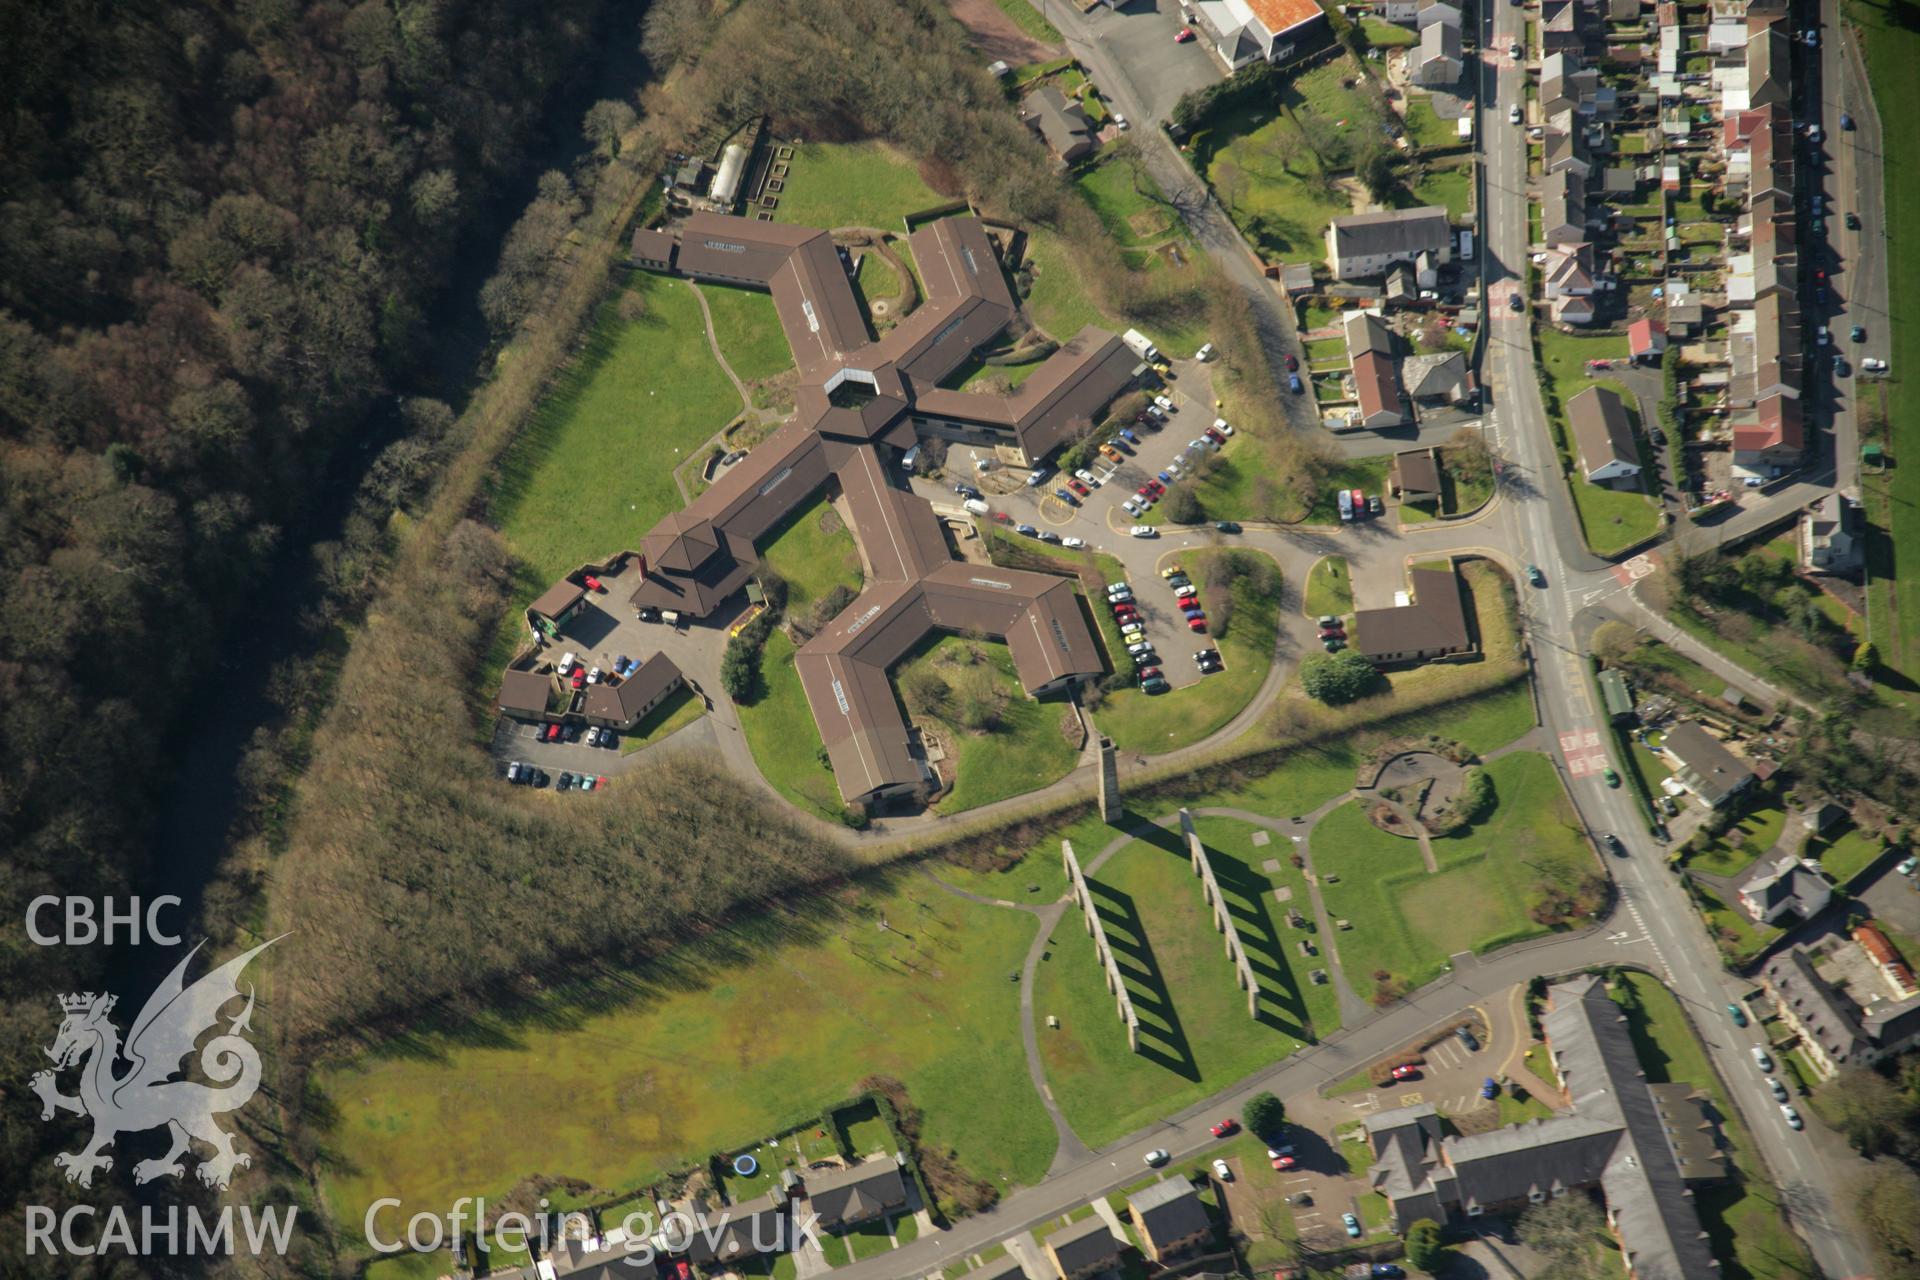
x: 221, y: 230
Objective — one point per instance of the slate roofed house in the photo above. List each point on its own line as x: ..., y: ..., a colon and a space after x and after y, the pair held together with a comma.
x: 1563, y: 208
x: 1170, y: 1219
x: 1785, y: 886
x: 1277, y: 30
x: 1364, y: 331
x: 1827, y: 1023
x: 1061, y: 124
x: 859, y: 1193
x: 1362, y: 245
x: 524, y: 693
x: 1433, y: 625
x: 1437, y: 378
x: 1428, y: 12
x: 1603, y: 436
x: 1083, y: 1249
x: 1415, y: 475
x: 1436, y: 59
x: 1832, y: 533
x: 740, y: 1231
x: 1704, y: 765
x: 652, y: 249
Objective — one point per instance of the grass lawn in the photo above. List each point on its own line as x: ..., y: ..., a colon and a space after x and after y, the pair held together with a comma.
x: 1729, y: 854
x: 1745, y: 1215
x: 1230, y: 488
x: 646, y: 388
x: 813, y: 550
x: 1130, y: 217
x: 1846, y: 854
x: 1654, y: 656
x: 651, y: 1072
x: 1024, y: 753
x: 1407, y: 921
x: 852, y: 184
x: 1259, y: 166
x: 1327, y: 353
x: 1382, y: 34
x: 748, y: 331
x: 1029, y: 20
x: 1137, y: 722
x: 876, y: 278
x: 1612, y: 519
x: 1451, y: 187
x: 784, y: 740
x: 680, y: 709
x: 1424, y: 124
x: 1329, y: 590
x: 1732, y: 928
x: 1057, y: 302
x: 1195, y: 1032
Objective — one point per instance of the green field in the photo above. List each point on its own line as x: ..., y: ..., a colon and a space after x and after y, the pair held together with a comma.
x: 783, y: 738
x: 594, y: 469
x: 1195, y: 1032
x: 1329, y: 590
x: 1451, y: 188
x: 1026, y: 752
x: 1382, y: 34
x: 1745, y: 1215
x: 1112, y: 188
x: 755, y: 1030
x: 1845, y: 851
x: 876, y: 279
x: 1139, y: 722
x: 1424, y: 124
x: 1265, y: 177
x: 748, y: 331
x: 1612, y: 519
x: 813, y: 550
x: 1407, y: 921
x: 852, y: 184
x: 1029, y: 20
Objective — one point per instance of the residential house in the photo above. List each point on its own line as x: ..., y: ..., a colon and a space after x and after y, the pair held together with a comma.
x: 1429, y: 12
x: 1083, y: 1249
x: 1623, y: 10
x: 1887, y: 959
x: 1563, y: 208
x: 1564, y: 145
x: 1646, y: 340
x: 1833, y: 533
x: 1433, y: 624
x: 857, y: 1193
x: 1769, y: 68
x: 652, y: 249
x: 1602, y: 437
x: 1277, y: 30
x: 727, y: 1236
x: 1436, y: 59
x: 1376, y: 386
x: 623, y: 703
x: 1563, y: 26
x: 1774, y: 436
x: 1645, y: 1148
x: 1062, y: 125
x: 1414, y: 475
x: 1686, y: 319
x: 1568, y: 272
x: 1785, y: 886
x: 1364, y: 245
x: 1704, y: 766
x: 1170, y: 1220
x: 1365, y: 331
x: 1835, y: 1028
x: 1437, y: 378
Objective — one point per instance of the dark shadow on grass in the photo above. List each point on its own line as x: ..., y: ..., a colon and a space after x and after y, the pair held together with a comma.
x: 1161, y: 1038
x: 1281, y: 1004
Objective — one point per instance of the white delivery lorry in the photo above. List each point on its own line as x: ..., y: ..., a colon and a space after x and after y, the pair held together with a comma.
x: 1137, y: 343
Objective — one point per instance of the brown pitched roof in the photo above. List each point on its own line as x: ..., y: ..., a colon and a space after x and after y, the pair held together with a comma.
x: 525, y: 691
x: 557, y: 599
x: 623, y: 701
x: 1600, y: 429
x: 1435, y: 621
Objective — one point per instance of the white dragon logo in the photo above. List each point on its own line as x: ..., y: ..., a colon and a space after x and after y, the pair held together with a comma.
x: 146, y: 1096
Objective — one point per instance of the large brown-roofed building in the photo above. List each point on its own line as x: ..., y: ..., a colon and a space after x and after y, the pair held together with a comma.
x: 856, y: 397
x: 524, y: 693
x: 623, y: 705
x: 1603, y: 436
x: 1432, y: 625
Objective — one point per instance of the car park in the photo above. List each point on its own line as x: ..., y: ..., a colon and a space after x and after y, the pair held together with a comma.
x: 1133, y: 506
x: 552, y: 733
x: 1164, y: 403
x: 1858, y: 333
x: 1148, y: 671
x: 1345, y: 499
x: 1143, y: 531
x: 1295, y: 385
x: 1079, y: 486
x: 1406, y: 1071
x: 1111, y: 454
x: 1376, y: 507
x: 1186, y: 590
x: 1222, y: 426
x: 1218, y: 437
x: 1066, y: 495
x: 1126, y: 434
x: 1139, y: 649
x: 1038, y: 476
x: 1119, y: 589
x: 565, y: 782
x: 1087, y: 478
x: 1489, y: 1089
x: 1025, y: 530
x: 1466, y: 1037
x: 1154, y: 684
x: 1197, y: 625
x: 1352, y: 1224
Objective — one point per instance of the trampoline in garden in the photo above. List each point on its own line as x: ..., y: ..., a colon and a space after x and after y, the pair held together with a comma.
x: 745, y: 1165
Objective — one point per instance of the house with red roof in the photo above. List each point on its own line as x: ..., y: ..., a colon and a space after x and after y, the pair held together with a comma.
x: 1647, y: 340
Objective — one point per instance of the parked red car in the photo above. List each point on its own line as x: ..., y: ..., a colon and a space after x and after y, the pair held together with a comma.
x: 1183, y: 35
x: 1293, y: 363
x: 579, y: 678
x: 1198, y: 624
x: 1225, y: 1127
x: 1406, y: 1071
x: 593, y: 584
x: 1284, y: 1162
x: 553, y: 733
